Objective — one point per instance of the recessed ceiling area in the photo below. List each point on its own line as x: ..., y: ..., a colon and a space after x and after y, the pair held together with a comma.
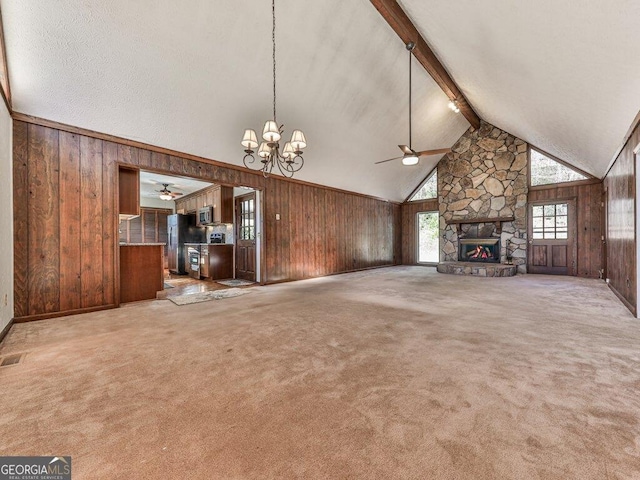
x: 151, y: 183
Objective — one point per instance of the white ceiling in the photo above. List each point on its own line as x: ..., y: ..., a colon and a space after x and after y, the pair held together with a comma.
x: 192, y: 79
x: 151, y: 183
x: 563, y: 75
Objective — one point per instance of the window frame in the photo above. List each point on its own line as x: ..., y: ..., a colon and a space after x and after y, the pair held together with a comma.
x: 432, y: 172
x: 587, y: 181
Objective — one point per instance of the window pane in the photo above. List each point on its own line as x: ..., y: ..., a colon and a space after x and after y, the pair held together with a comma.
x: 561, y: 221
x: 549, y: 222
x: 545, y: 170
x: 562, y: 235
x: 561, y: 209
x: 428, y: 190
x: 550, y: 210
x: 537, y: 235
x: 549, y: 235
x: 537, y: 211
x: 537, y: 222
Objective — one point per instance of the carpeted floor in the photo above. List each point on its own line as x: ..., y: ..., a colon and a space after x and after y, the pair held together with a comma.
x: 391, y: 373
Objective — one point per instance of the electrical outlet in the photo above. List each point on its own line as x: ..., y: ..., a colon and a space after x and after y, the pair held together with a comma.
x: 277, y: 216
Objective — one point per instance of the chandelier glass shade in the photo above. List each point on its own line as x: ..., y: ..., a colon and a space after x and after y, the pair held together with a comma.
x: 287, y: 159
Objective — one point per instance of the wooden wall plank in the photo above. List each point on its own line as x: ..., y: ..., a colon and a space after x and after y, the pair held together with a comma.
x: 620, y: 184
x: 21, y: 200
x: 70, y: 227
x: 110, y: 222
x: 320, y: 231
x: 91, y: 221
x: 44, y: 220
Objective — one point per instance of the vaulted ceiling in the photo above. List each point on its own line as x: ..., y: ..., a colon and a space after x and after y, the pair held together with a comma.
x: 562, y: 75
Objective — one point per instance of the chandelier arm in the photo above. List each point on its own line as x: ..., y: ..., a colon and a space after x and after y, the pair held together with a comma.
x: 273, y: 39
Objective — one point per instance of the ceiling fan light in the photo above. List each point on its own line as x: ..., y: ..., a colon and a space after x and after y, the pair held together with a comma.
x: 264, y: 151
x: 165, y: 196
x: 453, y: 105
x: 298, y: 140
x: 250, y: 140
x: 271, y: 133
x: 410, y: 160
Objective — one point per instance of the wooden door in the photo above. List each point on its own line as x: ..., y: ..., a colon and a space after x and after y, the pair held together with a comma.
x: 246, y: 236
x: 552, y: 238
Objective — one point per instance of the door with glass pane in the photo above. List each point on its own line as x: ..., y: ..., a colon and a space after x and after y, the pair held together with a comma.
x: 428, y: 237
x: 552, y: 238
x: 246, y: 237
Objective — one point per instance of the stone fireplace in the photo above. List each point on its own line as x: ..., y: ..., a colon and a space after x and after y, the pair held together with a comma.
x: 482, y: 191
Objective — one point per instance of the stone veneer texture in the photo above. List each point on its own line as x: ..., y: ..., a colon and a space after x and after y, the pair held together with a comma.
x: 485, y: 175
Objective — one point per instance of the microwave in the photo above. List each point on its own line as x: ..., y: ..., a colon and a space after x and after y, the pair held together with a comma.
x: 205, y: 215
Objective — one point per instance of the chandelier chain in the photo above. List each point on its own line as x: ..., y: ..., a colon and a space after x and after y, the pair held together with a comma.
x: 273, y: 38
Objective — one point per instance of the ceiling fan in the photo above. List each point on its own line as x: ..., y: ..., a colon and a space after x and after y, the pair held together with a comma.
x: 166, y: 194
x: 410, y: 156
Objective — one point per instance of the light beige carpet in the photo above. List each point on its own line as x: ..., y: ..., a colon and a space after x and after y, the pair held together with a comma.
x: 385, y: 374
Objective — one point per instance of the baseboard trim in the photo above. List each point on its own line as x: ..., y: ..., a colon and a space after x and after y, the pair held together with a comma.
x: 46, y: 316
x: 626, y: 303
x: 5, y: 330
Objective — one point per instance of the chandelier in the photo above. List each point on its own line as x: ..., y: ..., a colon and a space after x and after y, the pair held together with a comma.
x: 289, y: 160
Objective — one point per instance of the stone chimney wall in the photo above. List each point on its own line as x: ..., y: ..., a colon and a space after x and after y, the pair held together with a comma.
x: 485, y: 175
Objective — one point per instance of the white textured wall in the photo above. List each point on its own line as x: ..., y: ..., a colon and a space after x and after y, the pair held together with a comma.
x: 6, y: 218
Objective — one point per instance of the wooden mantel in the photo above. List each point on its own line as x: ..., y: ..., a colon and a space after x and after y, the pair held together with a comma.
x: 496, y: 220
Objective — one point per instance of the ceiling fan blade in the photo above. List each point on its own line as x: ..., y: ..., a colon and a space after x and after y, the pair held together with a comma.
x: 437, y: 151
x: 405, y: 149
x: 176, y: 194
x: 389, y: 160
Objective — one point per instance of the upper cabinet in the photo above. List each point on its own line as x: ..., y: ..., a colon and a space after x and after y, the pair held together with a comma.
x: 128, y: 191
x: 220, y: 197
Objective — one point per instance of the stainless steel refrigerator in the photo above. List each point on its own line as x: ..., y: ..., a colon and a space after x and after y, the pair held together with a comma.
x: 181, y: 229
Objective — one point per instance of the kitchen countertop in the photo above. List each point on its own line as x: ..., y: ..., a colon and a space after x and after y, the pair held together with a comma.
x: 141, y: 244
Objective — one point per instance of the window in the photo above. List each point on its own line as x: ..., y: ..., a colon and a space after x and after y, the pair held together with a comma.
x: 428, y: 190
x: 545, y: 170
x: 428, y: 237
x: 550, y: 221
x: 247, y: 219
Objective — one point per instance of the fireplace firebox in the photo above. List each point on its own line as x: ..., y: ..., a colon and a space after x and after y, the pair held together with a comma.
x: 479, y: 250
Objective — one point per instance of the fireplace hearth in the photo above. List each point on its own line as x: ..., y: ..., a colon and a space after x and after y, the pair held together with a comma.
x: 479, y: 250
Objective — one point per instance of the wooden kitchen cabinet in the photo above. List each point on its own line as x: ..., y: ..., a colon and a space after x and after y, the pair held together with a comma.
x: 220, y: 261
x: 221, y: 198
x: 128, y: 191
x: 141, y: 272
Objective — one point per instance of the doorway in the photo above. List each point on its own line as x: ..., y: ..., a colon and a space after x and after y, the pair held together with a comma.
x: 245, y: 210
x: 428, y: 231
x: 552, y: 237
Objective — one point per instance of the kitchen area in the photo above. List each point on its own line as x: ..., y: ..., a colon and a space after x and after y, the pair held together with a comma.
x: 177, y: 235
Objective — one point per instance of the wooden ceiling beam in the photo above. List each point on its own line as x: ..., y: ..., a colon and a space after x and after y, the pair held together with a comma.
x: 392, y: 12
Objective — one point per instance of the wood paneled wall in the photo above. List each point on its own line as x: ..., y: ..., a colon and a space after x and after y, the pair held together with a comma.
x: 409, y: 228
x: 63, y: 250
x: 589, y: 221
x: 620, y: 187
x: 66, y: 238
